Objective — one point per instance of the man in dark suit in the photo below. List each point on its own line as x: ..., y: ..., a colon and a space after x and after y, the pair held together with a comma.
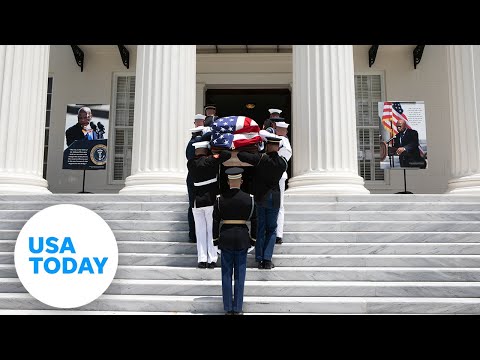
x: 235, y: 208
x: 78, y: 131
x: 406, y: 142
x: 269, y: 168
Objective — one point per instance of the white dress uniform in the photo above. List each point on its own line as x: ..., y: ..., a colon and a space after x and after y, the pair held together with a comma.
x: 285, y: 150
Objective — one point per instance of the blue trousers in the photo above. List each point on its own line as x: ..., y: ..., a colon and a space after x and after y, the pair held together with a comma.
x: 266, y: 230
x: 191, y: 221
x: 233, y: 262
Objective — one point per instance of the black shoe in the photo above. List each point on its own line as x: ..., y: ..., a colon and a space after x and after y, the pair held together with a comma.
x: 229, y: 313
x: 212, y: 265
x: 261, y: 265
x: 268, y: 264
x: 202, y: 265
x: 279, y: 240
x: 238, y: 313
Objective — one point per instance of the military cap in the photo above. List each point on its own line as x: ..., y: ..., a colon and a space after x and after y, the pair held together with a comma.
x: 196, y: 129
x: 273, y: 140
x: 274, y: 111
x: 200, y: 117
x: 282, y: 124
x: 234, y: 173
x: 201, y: 144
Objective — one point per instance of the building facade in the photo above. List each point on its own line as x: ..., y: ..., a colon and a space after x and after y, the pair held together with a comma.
x: 330, y: 94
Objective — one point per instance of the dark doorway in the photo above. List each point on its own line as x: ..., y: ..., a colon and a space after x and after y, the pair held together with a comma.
x: 253, y: 103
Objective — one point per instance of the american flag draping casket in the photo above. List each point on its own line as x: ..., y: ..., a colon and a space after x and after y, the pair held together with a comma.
x: 233, y: 132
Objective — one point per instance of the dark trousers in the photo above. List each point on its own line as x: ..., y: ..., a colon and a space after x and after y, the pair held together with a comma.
x: 233, y: 261
x: 191, y: 221
x: 266, y: 230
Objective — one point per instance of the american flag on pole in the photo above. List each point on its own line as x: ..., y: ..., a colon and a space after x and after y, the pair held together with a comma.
x: 392, y: 112
x: 232, y: 132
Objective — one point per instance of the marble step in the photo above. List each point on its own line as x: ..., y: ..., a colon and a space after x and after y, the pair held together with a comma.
x: 213, y: 304
x: 294, y: 226
x: 289, y: 206
x: 300, y: 260
x: 299, y: 248
x: 302, y: 237
x: 311, y: 237
x: 169, y: 215
x: 95, y: 205
x: 309, y: 248
x: 332, y: 273
x: 280, y: 288
x: 388, y: 198
x: 380, y: 206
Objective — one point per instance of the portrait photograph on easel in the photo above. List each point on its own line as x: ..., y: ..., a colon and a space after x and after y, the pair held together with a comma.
x: 85, y: 141
x: 403, y: 136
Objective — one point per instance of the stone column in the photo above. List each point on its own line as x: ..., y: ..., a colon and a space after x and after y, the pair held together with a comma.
x: 463, y: 62
x: 23, y: 101
x: 325, y: 137
x: 164, y: 111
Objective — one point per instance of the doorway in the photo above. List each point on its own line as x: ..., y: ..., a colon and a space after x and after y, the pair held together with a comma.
x: 254, y: 103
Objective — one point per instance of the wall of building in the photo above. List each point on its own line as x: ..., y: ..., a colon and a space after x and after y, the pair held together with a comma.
x: 428, y: 82
x: 402, y: 82
x: 71, y: 86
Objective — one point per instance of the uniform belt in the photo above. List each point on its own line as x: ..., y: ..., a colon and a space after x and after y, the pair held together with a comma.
x: 234, y: 221
x: 206, y: 182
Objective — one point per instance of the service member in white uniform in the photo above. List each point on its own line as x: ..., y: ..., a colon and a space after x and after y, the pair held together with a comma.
x: 285, y: 150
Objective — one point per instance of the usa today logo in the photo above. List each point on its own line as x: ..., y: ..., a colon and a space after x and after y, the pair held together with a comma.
x: 66, y: 256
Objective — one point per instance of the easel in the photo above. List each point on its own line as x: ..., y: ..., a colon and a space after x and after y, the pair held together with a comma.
x: 404, y: 183
x: 83, y: 185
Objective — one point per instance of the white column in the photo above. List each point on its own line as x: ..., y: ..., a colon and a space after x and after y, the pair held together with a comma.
x: 200, y: 98
x: 324, y: 136
x: 164, y: 111
x: 23, y: 101
x: 463, y: 63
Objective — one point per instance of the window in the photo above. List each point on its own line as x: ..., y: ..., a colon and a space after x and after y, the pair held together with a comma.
x: 47, y: 125
x: 368, y: 92
x: 122, y: 134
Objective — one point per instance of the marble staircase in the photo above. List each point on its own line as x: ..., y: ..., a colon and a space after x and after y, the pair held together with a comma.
x: 371, y: 254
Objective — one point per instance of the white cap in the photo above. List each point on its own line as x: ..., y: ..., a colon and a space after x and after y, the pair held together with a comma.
x: 282, y: 124
x: 272, y: 111
x: 201, y: 144
x: 196, y: 129
x: 200, y: 117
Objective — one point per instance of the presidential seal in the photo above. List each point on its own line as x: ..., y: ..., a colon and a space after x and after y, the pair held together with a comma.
x: 98, y: 154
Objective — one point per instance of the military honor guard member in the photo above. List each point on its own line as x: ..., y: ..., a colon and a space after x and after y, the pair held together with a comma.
x: 203, y: 169
x: 269, y: 168
x: 190, y: 154
x: 211, y: 114
x: 274, y: 113
x: 284, y: 150
x: 233, y: 209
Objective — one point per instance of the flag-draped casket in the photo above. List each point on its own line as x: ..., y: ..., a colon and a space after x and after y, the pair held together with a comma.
x: 232, y: 133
